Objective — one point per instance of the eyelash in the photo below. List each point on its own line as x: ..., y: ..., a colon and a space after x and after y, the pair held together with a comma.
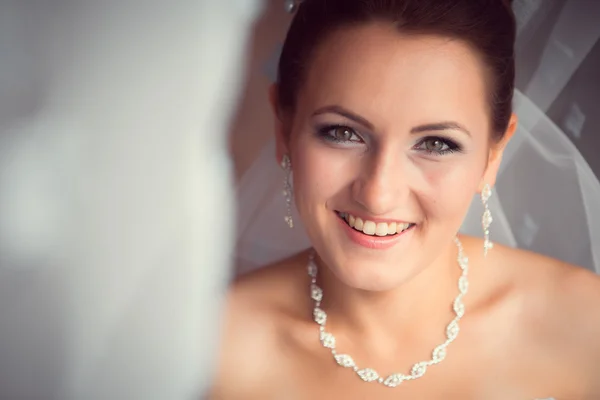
x: 451, y: 146
x: 325, y: 132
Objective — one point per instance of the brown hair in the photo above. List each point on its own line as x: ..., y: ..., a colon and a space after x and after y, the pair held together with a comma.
x: 487, y: 25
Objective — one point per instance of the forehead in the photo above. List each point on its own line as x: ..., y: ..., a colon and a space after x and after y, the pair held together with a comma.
x: 390, y: 77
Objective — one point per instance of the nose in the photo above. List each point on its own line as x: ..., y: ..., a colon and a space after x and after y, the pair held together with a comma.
x: 382, y: 185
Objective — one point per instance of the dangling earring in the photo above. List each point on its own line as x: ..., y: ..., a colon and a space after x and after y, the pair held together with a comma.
x: 286, y: 164
x: 292, y: 5
x: 487, y: 219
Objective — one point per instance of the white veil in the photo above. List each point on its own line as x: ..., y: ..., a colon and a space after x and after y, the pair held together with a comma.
x: 547, y: 197
x: 113, y: 127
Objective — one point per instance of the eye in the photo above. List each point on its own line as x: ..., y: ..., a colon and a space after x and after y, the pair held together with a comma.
x: 339, y: 134
x: 437, y: 145
x: 434, y: 144
x: 342, y: 133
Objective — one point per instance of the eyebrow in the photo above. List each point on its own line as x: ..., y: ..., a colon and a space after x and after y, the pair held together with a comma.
x: 438, y: 126
x: 441, y: 126
x: 344, y: 113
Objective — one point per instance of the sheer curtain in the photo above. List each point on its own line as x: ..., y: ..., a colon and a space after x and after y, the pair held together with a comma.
x: 547, y: 197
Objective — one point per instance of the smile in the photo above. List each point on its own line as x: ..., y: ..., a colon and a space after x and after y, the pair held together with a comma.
x: 372, y: 228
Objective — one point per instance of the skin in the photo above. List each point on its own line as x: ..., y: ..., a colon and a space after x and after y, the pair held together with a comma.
x: 531, y: 329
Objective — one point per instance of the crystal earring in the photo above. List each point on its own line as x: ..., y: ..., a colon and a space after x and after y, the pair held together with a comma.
x: 487, y: 219
x: 286, y: 164
x: 292, y: 5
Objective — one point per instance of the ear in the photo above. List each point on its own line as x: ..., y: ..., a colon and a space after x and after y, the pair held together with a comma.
x: 495, y: 154
x: 281, y: 138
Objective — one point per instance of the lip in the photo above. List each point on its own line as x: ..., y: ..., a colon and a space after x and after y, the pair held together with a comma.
x: 376, y: 220
x: 373, y: 242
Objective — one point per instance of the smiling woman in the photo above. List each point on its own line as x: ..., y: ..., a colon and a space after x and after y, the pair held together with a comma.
x: 390, y: 115
x: 380, y: 147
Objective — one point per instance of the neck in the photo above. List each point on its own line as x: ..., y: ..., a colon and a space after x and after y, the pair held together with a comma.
x: 418, y: 305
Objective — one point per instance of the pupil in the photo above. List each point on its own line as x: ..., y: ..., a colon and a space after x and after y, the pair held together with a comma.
x: 435, y: 144
x: 342, y: 134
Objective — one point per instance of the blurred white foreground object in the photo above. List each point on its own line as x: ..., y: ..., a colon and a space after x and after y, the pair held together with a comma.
x: 116, y: 211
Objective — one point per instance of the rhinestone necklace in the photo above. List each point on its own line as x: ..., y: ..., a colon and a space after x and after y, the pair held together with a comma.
x: 418, y: 370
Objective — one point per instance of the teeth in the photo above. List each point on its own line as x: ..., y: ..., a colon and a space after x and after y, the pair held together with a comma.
x: 358, y: 224
x: 369, y: 227
x: 373, y: 228
x: 403, y: 226
x: 391, y: 228
x: 382, y: 229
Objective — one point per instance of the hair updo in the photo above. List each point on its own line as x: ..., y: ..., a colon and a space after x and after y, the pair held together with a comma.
x: 488, y: 26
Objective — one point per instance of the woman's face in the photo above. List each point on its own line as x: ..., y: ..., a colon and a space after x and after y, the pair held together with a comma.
x: 390, y: 133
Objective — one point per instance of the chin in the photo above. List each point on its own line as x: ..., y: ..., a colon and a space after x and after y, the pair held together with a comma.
x: 373, y: 275
x: 370, y: 270
x: 368, y: 262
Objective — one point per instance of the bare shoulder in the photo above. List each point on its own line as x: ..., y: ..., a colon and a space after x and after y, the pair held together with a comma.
x: 558, y: 308
x: 258, y: 306
x: 573, y: 291
x: 566, y: 286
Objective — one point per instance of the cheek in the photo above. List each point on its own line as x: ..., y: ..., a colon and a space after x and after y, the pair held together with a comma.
x: 446, y: 188
x: 319, y: 174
